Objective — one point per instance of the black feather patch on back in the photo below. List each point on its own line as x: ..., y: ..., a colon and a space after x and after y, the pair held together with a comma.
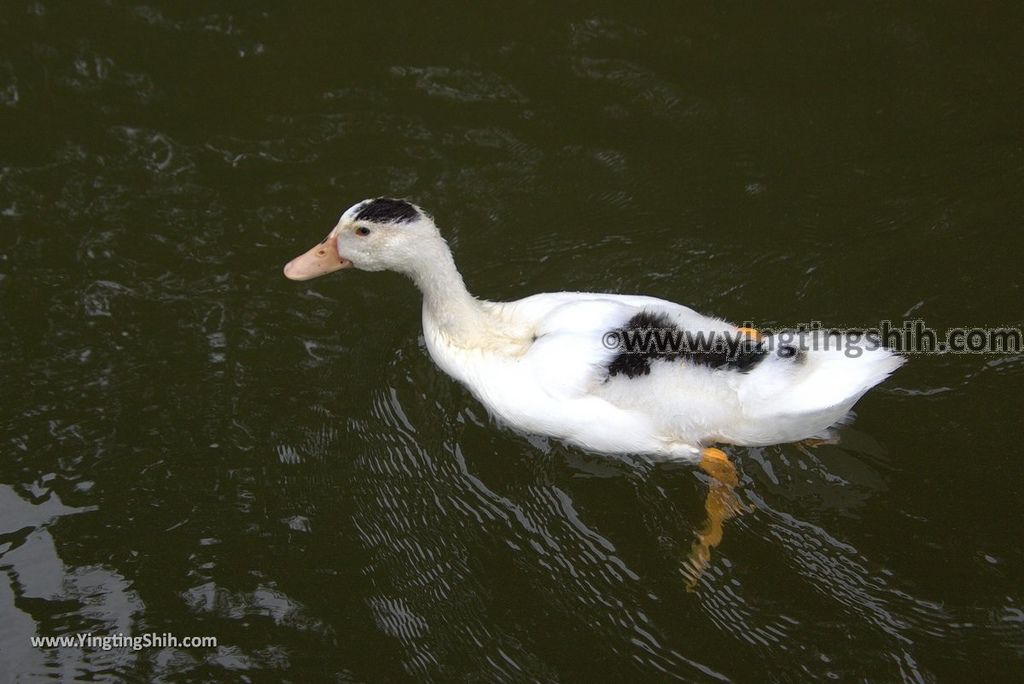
x: 654, y: 337
x: 633, y: 364
x: 387, y: 210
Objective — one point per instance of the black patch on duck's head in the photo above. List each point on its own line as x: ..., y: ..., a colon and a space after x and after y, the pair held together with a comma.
x: 387, y: 210
x: 662, y: 344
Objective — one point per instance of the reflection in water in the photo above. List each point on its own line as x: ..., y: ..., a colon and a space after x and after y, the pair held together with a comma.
x: 422, y: 508
x: 40, y: 595
x: 407, y: 514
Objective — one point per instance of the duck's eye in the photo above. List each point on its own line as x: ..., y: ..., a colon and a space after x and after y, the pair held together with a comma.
x: 362, y: 230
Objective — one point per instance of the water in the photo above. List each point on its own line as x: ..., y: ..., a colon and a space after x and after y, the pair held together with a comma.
x: 192, y: 444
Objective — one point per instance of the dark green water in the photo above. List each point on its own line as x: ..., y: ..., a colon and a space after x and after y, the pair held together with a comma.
x: 192, y: 444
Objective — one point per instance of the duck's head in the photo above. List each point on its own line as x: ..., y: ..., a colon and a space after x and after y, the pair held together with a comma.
x: 380, y: 234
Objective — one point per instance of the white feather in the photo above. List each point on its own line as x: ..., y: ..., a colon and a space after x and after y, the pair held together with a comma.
x: 560, y: 385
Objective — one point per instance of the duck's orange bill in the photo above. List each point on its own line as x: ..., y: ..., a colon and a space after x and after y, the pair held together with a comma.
x: 320, y: 260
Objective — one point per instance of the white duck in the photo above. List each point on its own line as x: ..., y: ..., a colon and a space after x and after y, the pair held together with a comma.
x: 548, y: 364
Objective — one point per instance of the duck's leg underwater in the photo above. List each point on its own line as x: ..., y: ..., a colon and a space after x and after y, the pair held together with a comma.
x: 720, y: 505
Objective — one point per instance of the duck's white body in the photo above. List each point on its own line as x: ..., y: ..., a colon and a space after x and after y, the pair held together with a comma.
x: 543, y: 364
x: 555, y: 381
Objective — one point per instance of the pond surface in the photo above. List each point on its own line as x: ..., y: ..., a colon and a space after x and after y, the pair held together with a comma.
x: 190, y: 443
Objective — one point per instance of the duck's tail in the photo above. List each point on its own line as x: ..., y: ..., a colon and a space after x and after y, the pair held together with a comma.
x: 809, y: 382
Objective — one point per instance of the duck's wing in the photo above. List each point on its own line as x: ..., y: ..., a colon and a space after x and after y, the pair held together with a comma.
x: 765, y: 393
x: 578, y: 337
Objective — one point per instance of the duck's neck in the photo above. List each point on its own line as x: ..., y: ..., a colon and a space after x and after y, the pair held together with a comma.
x: 458, y: 316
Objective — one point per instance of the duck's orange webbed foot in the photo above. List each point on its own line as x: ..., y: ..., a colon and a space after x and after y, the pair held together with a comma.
x: 751, y: 333
x: 720, y: 505
x: 715, y: 463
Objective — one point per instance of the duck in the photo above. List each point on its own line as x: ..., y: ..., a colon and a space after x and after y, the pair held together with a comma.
x: 609, y: 373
